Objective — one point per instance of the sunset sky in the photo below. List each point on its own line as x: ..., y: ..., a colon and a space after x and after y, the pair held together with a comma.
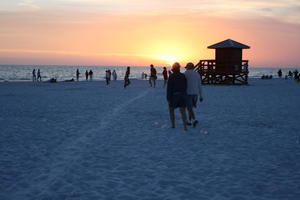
x: 140, y: 32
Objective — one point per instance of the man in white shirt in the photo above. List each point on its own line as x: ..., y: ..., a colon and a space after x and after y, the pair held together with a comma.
x: 194, y: 89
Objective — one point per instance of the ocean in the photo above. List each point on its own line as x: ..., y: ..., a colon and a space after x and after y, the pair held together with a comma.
x: 24, y: 72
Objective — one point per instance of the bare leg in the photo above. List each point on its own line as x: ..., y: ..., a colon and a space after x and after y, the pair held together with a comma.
x: 183, y: 115
x: 172, y: 116
x: 191, y: 114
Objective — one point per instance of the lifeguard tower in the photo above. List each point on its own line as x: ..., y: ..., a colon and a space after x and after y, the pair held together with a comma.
x: 228, y: 66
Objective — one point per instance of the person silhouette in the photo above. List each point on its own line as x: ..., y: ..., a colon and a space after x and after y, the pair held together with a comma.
x: 176, y: 94
x: 77, y: 74
x: 86, y: 75
x: 153, y: 76
x: 295, y: 74
x: 143, y: 75
x: 91, y: 75
x: 279, y: 73
x: 39, y: 77
x: 107, y: 77
x: 114, y: 75
x: 33, y: 75
x: 165, y: 75
x: 126, y: 78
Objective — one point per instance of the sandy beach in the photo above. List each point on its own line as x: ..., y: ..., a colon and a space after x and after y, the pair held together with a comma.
x: 85, y: 140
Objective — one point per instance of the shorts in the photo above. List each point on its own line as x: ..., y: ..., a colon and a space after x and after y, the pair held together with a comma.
x: 153, y: 77
x: 178, y: 101
x: 191, y: 101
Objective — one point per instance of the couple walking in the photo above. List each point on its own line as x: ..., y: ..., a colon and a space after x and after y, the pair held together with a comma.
x: 36, y: 77
x: 182, y: 93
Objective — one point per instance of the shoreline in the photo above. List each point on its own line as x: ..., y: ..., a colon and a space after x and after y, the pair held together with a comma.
x: 103, y: 80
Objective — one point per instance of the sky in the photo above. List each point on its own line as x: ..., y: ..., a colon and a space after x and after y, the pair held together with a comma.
x: 141, y: 32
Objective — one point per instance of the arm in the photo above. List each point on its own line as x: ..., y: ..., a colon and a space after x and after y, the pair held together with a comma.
x: 185, y: 84
x: 169, y: 89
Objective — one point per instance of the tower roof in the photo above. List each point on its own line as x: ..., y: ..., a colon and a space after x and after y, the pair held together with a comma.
x: 228, y: 44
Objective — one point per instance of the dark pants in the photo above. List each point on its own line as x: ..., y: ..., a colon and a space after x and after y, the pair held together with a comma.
x: 126, y: 82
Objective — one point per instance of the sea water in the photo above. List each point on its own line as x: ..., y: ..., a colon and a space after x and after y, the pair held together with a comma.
x: 24, y: 72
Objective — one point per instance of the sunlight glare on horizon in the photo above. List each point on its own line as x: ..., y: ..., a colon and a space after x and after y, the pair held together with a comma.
x: 170, y: 60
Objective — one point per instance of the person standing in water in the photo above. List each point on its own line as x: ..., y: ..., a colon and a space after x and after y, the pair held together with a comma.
x: 165, y: 75
x: 33, y: 75
x: 86, y: 75
x: 39, y: 77
x: 194, y: 89
x: 153, y: 76
x: 176, y: 94
x: 77, y: 74
x: 126, y: 78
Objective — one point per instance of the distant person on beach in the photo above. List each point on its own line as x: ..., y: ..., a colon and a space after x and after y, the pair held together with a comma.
x: 126, y: 78
x: 143, y: 75
x: 114, y: 75
x: 165, y: 75
x: 176, y: 94
x: 91, y: 75
x: 33, y: 75
x: 295, y: 74
x: 86, y: 75
x: 77, y: 74
x: 39, y: 77
x: 107, y: 77
x: 279, y: 73
x: 290, y: 74
x: 169, y: 72
x: 266, y: 76
x: 153, y: 76
x: 194, y: 89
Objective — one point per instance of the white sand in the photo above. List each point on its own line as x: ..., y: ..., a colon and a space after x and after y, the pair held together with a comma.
x: 87, y: 140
